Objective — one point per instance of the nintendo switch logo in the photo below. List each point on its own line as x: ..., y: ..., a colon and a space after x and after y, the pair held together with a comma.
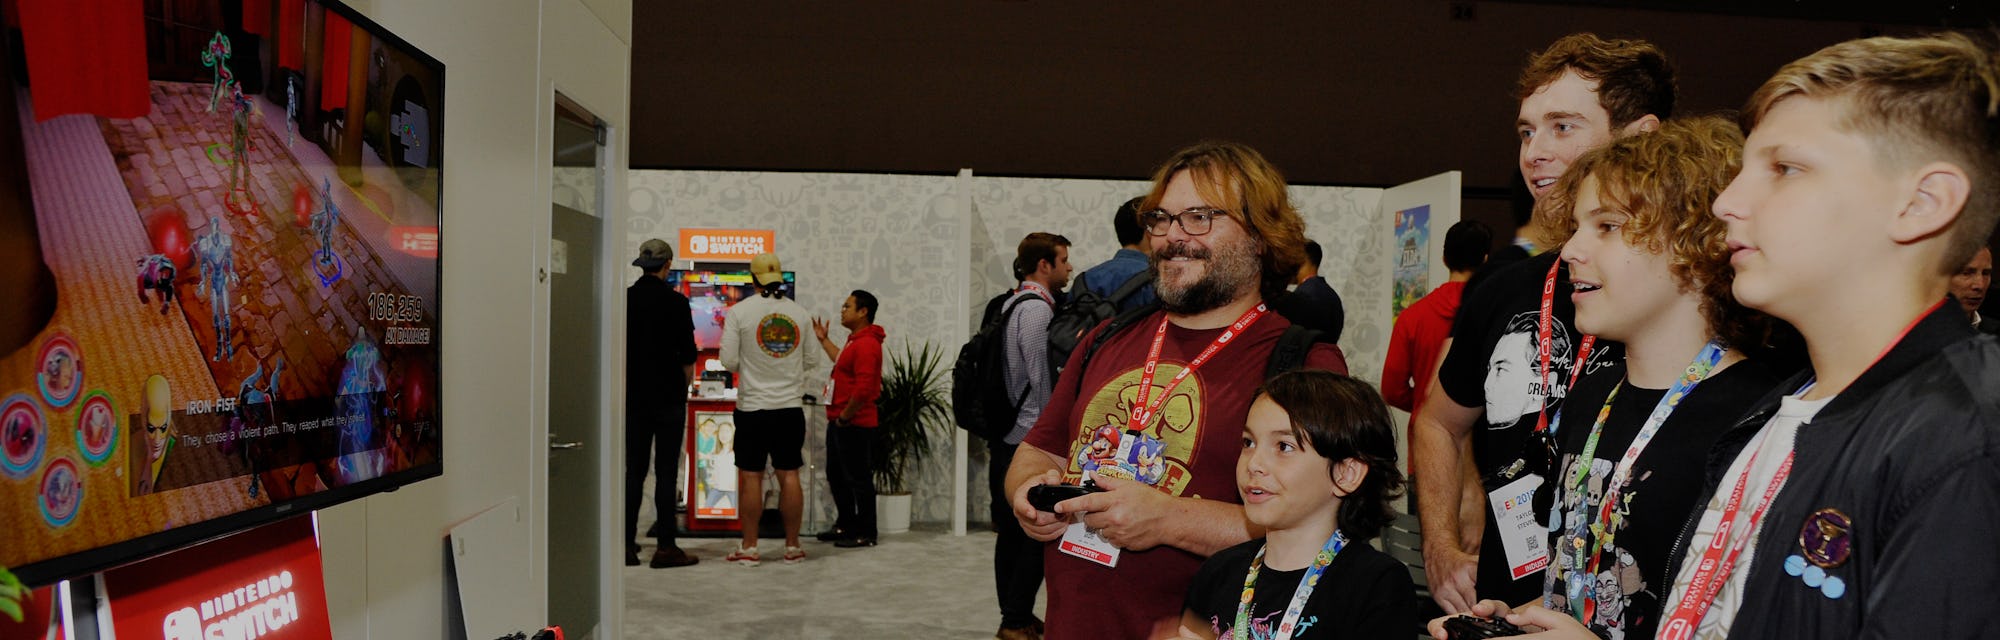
x: 725, y: 243
x: 182, y: 625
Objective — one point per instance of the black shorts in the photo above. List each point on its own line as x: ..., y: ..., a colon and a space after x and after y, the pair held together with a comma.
x: 779, y: 434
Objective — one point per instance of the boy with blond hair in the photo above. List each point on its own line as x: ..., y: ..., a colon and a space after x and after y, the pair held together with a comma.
x: 1862, y: 497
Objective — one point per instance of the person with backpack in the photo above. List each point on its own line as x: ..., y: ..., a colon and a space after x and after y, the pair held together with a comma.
x: 1118, y: 285
x: 1042, y: 264
x: 1153, y: 412
x: 1128, y: 264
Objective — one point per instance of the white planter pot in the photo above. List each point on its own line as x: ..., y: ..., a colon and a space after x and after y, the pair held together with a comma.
x: 892, y: 513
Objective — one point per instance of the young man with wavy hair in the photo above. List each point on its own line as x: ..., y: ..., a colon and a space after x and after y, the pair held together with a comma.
x: 1504, y: 374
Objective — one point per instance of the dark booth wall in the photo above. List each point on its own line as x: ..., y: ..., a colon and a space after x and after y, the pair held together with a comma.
x: 1365, y: 92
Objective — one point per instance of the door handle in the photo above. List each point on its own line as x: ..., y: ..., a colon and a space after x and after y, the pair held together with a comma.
x: 562, y: 445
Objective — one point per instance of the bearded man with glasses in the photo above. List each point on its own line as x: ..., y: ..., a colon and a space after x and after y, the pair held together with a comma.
x: 1173, y: 383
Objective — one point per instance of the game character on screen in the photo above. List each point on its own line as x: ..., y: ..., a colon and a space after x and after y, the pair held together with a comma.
x: 216, y: 256
x: 156, y: 274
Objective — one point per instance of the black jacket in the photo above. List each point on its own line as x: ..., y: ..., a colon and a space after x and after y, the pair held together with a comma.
x: 1910, y: 452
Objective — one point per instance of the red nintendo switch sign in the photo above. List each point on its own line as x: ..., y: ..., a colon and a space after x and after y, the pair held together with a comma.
x: 421, y: 242
x: 261, y: 583
x: 726, y: 245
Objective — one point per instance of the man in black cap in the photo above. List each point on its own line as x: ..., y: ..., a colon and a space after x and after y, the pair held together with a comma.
x: 659, y: 360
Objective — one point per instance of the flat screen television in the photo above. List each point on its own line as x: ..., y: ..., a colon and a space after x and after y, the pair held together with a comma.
x: 220, y: 267
x: 710, y: 293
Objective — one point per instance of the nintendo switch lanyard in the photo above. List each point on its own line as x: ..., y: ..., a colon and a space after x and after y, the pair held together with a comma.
x: 1140, y: 419
x: 1603, y: 529
x: 1290, y: 622
x: 1546, y: 331
x: 1712, y: 572
x: 1542, y: 348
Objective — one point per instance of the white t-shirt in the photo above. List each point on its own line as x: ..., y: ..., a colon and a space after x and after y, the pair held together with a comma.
x: 1771, y: 446
x: 764, y: 340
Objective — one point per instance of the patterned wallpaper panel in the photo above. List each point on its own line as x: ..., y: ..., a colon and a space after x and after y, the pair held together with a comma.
x: 576, y: 188
x: 899, y: 237
x: 893, y: 235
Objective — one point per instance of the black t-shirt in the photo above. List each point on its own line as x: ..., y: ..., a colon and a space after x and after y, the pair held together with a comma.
x: 659, y: 338
x: 1632, y: 577
x: 1363, y: 594
x: 1314, y: 305
x: 1494, y: 363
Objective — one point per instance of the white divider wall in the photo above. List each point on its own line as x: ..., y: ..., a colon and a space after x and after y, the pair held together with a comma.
x: 906, y: 230
x: 893, y: 235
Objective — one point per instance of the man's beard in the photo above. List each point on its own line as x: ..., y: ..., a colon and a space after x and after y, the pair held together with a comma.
x: 1231, y: 271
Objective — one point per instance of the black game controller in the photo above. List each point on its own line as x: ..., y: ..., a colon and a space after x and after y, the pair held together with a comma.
x: 1045, y: 496
x: 1471, y: 628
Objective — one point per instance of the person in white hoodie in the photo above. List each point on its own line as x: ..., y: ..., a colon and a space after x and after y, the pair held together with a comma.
x: 763, y: 342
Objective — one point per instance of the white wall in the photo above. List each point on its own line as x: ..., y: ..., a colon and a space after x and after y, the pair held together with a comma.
x: 384, y: 554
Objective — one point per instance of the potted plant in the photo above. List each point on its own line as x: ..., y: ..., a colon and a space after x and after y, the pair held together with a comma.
x: 913, y: 411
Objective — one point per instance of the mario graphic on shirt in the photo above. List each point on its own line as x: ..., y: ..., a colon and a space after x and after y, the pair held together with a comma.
x: 1172, y: 434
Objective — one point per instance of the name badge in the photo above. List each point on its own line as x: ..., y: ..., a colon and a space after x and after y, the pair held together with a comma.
x: 1524, y: 539
x: 1081, y: 542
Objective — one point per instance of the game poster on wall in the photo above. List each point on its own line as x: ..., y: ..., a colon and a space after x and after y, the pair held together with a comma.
x: 714, y: 487
x: 221, y: 271
x: 1413, y: 243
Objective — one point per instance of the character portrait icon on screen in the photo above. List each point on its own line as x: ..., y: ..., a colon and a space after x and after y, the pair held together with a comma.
x: 156, y: 409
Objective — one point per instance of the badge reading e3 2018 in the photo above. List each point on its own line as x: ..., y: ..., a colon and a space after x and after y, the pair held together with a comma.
x: 777, y: 335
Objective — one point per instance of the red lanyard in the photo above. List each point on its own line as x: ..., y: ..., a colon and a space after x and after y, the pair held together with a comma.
x: 1144, y: 417
x: 1713, y: 570
x: 1719, y: 558
x: 1542, y: 347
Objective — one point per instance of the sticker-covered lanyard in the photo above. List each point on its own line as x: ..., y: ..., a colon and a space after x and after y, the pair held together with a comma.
x: 1144, y: 416
x: 1601, y: 530
x: 1290, y: 622
x: 1545, y: 331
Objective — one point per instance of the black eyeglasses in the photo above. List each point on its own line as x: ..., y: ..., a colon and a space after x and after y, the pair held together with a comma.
x: 1195, y: 221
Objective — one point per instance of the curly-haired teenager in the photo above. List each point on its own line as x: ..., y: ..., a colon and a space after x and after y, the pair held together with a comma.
x: 1649, y: 268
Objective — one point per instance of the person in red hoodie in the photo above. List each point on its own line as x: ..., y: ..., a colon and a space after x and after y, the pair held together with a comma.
x: 1418, y: 339
x: 851, y: 420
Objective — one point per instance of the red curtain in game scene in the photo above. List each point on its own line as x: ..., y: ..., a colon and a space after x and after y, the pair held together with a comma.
x: 86, y: 56
x: 257, y: 17
x: 292, y: 34
x: 333, y: 62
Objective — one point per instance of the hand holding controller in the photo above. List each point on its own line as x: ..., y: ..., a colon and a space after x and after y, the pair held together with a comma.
x: 1466, y: 627
x: 1045, y: 496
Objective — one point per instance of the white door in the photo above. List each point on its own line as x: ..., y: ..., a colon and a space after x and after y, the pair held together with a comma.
x: 579, y: 453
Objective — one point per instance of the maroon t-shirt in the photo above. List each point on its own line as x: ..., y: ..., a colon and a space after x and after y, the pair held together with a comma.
x: 1190, y: 451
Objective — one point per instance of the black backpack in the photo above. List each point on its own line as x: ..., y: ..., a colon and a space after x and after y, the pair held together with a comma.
x: 1084, y: 310
x: 1290, y: 353
x: 980, y: 401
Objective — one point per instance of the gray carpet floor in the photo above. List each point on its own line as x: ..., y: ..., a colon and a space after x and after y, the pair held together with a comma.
x: 921, y: 584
